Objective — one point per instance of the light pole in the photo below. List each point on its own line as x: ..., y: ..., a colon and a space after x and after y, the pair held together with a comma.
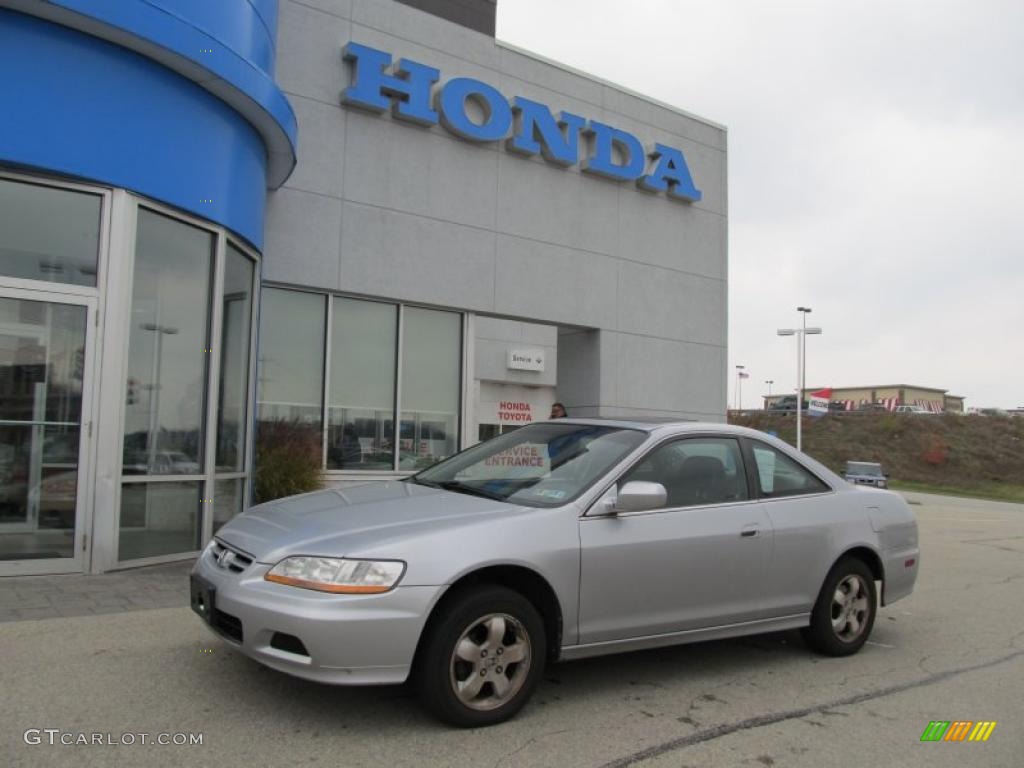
x: 804, y: 311
x: 739, y: 387
x: 801, y: 348
x: 769, y: 382
x: 154, y: 392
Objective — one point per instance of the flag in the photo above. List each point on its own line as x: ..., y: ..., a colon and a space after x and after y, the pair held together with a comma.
x: 744, y: 375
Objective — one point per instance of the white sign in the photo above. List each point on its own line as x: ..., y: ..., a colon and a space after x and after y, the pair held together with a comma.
x: 526, y: 359
x: 511, y: 411
x: 817, y: 406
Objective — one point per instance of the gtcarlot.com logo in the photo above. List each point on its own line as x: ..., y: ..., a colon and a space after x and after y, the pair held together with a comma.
x: 958, y: 730
x: 55, y: 736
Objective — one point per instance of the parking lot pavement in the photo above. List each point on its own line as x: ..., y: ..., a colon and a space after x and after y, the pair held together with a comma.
x: 952, y: 651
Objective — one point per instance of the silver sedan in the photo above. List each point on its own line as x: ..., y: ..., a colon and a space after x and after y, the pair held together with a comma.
x: 560, y: 540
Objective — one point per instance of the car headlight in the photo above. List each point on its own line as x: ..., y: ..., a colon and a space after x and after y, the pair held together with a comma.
x: 332, y: 574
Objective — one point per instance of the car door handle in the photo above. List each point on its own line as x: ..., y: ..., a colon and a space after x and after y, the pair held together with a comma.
x: 750, y: 531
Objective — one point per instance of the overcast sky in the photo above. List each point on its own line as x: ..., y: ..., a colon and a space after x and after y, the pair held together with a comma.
x: 876, y: 172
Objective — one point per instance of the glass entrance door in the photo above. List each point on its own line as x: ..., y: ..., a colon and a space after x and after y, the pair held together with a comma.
x: 45, y: 365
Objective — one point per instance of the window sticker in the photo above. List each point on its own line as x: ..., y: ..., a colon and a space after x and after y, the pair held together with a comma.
x: 766, y: 469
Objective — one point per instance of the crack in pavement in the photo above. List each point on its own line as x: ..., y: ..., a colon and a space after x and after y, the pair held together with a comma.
x: 526, y: 744
x: 777, y: 717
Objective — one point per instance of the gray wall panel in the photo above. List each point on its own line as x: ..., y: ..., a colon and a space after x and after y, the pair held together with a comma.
x: 309, y: 54
x: 393, y: 166
x: 673, y: 305
x: 390, y: 254
x: 553, y: 284
x: 303, y: 233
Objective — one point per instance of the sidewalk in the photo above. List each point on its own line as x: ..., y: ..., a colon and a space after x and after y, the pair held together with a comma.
x: 51, y: 597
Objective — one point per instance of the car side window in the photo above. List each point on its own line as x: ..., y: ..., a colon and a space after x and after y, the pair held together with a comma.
x: 780, y: 475
x: 695, y: 471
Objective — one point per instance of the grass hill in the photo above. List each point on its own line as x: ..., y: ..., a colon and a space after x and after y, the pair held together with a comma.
x: 948, y: 453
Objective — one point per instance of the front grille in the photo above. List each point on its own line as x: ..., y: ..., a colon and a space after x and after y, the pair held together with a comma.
x: 229, y: 558
x: 228, y: 625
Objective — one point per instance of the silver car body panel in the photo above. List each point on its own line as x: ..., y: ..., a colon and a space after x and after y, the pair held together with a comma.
x: 623, y: 582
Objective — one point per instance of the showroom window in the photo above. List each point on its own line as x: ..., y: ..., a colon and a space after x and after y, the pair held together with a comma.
x: 49, y: 234
x: 187, y: 386
x: 352, y: 365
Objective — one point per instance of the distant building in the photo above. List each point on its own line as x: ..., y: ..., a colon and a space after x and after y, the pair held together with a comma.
x: 888, y: 395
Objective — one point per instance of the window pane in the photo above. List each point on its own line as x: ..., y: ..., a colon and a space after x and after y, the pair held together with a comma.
x: 431, y: 374
x: 694, y: 472
x: 158, y: 519
x: 42, y: 354
x: 364, y: 337
x: 779, y: 475
x: 167, y: 357
x: 48, y: 234
x: 291, y: 357
x: 234, y: 360
x: 227, y: 500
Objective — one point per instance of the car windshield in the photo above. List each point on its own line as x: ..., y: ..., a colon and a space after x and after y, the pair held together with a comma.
x: 860, y: 468
x: 541, y: 465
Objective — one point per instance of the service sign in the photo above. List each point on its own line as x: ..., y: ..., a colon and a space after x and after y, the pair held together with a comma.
x: 409, y: 89
x: 526, y: 359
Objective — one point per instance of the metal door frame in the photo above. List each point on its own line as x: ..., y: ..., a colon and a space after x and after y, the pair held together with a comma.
x: 79, y: 562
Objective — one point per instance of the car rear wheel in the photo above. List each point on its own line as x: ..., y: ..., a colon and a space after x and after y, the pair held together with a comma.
x: 844, y: 614
x: 482, y: 658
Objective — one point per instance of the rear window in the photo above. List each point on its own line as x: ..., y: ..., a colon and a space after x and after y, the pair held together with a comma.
x: 780, y: 475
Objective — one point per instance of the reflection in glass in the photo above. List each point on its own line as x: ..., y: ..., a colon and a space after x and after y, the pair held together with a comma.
x: 291, y: 361
x: 234, y: 360
x: 362, y: 395
x: 167, y: 349
x: 42, y: 359
x: 48, y: 234
x: 158, y: 519
x: 431, y: 368
x: 227, y: 500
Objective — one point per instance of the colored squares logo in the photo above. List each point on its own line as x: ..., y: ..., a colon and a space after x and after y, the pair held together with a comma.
x: 958, y: 730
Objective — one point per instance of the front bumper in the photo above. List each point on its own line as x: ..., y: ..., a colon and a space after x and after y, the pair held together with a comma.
x: 347, y: 639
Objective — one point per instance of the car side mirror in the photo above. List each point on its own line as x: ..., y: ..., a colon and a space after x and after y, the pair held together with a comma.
x: 640, y: 496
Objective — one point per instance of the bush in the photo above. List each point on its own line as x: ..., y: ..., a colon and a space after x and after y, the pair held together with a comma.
x: 288, y: 459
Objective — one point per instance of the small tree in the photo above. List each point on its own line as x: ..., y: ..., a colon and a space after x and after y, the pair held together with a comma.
x: 287, y: 459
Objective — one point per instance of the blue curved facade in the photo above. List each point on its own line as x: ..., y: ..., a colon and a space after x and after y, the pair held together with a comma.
x: 173, y: 99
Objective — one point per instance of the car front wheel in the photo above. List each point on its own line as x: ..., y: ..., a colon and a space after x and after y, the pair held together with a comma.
x: 483, y: 657
x: 844, y: 614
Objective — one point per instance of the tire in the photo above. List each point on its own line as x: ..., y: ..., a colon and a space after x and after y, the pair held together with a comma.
x: 844, y: 613
x: 474, y: 686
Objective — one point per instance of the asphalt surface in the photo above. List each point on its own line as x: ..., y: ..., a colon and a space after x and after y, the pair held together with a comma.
x: 954, y: 650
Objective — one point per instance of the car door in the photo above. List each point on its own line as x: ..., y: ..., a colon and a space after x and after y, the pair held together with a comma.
x: 699, y: 561
x: 807, y: 523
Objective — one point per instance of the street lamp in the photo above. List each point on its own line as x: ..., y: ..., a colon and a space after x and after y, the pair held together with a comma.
x: 154, y: 391
x: 801, y: 359
x: 739, y: 386
x: 769, y: 382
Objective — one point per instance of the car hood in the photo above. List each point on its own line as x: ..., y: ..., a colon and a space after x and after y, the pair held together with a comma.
x: 336, y: 523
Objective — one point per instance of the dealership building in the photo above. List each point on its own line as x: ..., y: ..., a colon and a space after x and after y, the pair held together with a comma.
x: 367, y: 225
